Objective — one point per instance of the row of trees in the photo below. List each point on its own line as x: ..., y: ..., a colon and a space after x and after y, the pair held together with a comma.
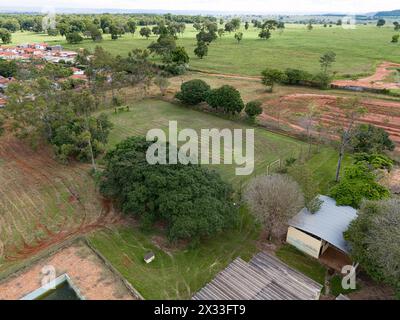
x: 226, y: 99
x: 46, y: 105
x: 300, y: 77
x: 80, y: 23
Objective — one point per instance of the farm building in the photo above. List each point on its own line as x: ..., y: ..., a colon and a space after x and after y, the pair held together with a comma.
x: 263, y: 278
x: 320, y: 234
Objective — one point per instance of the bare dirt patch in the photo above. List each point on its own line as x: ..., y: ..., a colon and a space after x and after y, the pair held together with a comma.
x: 376, y: 81
x: 88, y: 273
x: 43, y: 202
x: 289, y: 109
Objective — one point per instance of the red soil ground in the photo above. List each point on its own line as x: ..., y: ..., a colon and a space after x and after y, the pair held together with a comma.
x: 384, y: 114
x: 376, y: 81
x: 44, y: 202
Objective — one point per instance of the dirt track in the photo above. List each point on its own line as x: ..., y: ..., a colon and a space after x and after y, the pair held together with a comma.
x: 376, y: 81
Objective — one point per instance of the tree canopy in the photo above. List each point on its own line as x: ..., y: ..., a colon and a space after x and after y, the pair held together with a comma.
x: 192, y: 201
x: 374, y: 237
x: 371, y: 139
x: 226, y: 99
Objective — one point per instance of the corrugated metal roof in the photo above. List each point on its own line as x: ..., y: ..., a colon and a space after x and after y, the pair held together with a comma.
x: 328, y: 223
x: 263, y: 278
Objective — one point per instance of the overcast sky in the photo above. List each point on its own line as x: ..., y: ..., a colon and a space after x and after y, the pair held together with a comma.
x: 261, y: 6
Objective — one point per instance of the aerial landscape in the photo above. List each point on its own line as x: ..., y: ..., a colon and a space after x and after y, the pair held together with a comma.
x: 154, y: 151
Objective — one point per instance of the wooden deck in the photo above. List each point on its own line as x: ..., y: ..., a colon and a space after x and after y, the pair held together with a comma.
x: 263, y: 278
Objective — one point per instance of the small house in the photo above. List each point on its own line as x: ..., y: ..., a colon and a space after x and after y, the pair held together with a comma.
x: 320, y: 234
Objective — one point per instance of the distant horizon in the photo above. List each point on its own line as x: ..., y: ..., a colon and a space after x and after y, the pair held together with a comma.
x: 183, y: 12
x: 258, y: 7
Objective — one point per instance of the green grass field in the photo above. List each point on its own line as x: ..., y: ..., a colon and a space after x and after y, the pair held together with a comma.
x: 175, y: 273
x: 358, y: 51
x: 301, y: 262
x: 269, y: 146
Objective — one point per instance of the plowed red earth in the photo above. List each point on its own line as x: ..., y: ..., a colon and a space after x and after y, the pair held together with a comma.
x: 384, y: 114
x: 43, y: 202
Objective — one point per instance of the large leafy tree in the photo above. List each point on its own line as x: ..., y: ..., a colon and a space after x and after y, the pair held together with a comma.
x: 371, y: 139
x: 226, y: 99
x: 5, y: 36
x: 270, y: 77
x: 193, y: 91
x: 375, y: 237
x: 201, y: 50
x: 191, y: 200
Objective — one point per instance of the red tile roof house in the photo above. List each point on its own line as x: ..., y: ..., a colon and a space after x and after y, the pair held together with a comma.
x: 2, y: 102
x: 4, y: 82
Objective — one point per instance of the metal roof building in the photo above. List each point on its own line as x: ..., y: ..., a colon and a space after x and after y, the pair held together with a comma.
x: 263, y: 278
x: 328, y: 223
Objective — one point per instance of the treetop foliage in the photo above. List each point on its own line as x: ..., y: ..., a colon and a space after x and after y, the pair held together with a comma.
x: 192, y: 201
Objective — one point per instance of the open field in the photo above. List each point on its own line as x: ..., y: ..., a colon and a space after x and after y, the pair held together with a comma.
x: 43, y: 202
x: 175, y: 273
x: 358, y: 51
x: 269, y: 147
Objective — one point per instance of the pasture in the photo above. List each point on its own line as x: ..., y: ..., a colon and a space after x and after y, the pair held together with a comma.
x: 177, y: 271
x: 268, y: 146
x: 358, y: 51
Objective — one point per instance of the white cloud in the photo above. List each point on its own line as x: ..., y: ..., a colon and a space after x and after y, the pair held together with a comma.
x: 261, y: 6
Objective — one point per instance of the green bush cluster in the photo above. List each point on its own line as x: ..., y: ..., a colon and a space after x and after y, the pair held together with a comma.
x: 193, y: 92
x: 357, y: 184
x: 226, y: 99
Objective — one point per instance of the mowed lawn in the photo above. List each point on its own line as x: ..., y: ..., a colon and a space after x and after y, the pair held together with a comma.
x: 358, y: 51
x: 175, y: 273
x: 268, y: 146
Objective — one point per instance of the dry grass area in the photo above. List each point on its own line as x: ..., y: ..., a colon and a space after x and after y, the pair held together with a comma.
x: 88, y: 273
x: 43, y: 202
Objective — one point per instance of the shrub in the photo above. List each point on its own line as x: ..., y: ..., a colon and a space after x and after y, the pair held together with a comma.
x: 357, y: 184
x: 296, y: 76
x: 376, y: 161
x: 322, y: 80
x: 193, y: 92
x: 226, y: 98
x: 174, y: 69
x: 253, y: 109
